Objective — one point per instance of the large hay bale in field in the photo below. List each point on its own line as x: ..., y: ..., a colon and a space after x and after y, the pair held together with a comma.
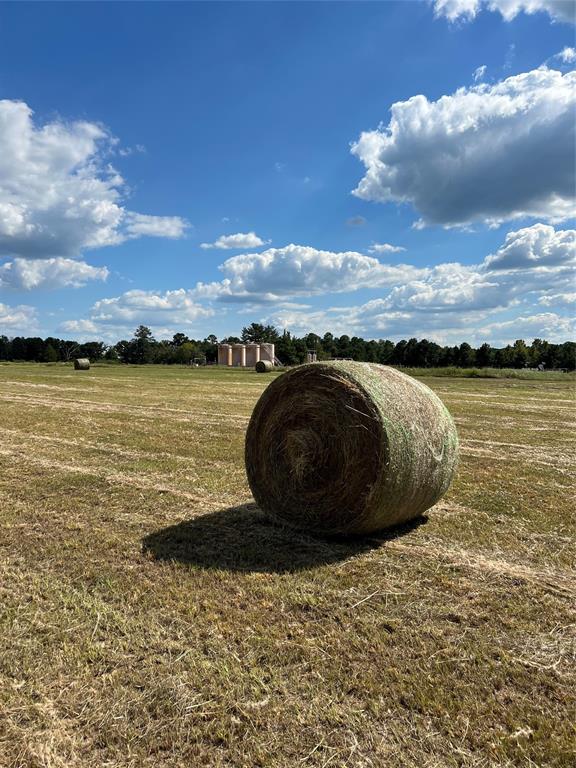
x: 82, y: 364
x: 347, y: 447
x: 262, y: 366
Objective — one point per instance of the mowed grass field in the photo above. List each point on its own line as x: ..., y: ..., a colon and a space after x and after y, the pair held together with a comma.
x: 150, y: 616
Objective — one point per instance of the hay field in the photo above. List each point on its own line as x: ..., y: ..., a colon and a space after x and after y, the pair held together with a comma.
x: 149, y: 615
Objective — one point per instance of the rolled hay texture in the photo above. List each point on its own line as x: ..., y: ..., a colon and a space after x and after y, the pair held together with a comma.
x: 82, y: 364
x: 264, y: 365
x: 345, y: 447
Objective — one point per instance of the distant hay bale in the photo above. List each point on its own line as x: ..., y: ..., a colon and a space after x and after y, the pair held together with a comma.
x: 347, y: 447
x: 82, y: 364
x: 262, y: 366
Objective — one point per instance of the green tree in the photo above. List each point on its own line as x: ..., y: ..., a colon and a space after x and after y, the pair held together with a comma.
x: 398, y: 354
x: 34, y: 348
x: 186, y: 352
x: 485, y: 356
x: 286, y: 350
x: 329, y: 345
x: 343, y: 346
x: 466, y: 356
x: 520, y: 354
x: 257, y: 333
x: 92, y: 349
x: 209, y: 348
x: 538, y: 352
x: 141, y: 347
x: 412, y: 353
x: 123, y: 350
x: 371, y: 351
x: 50, y: 354
x: 111, y: 354
x: 179, y: 338
x: 357, y: 348
x: 449, y: 356
x: 385, y: 351
x: 5, y: 348
x: 428, y: 353
x: 567, y: 355
x: 505, y: 357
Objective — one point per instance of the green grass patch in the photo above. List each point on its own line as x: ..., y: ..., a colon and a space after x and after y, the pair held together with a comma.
x: 151, y: 616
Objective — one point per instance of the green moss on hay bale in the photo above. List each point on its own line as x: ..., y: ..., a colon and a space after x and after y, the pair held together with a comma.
x: 347, y: 447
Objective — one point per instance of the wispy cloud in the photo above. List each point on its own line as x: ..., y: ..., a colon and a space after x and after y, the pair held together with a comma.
x: 467, y: 10
x: 385, y: 248
x: 479, y: 73
x: 356, y: 221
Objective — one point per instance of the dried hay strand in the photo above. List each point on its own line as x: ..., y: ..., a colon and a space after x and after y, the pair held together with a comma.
x: 82, y: 364
x: 346, y: 447
x: 262, y: 366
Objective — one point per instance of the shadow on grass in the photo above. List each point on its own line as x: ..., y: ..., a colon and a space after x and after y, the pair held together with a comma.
x: 244, y: 539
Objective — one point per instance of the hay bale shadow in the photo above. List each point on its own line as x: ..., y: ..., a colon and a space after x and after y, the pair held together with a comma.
x: 243, y: 539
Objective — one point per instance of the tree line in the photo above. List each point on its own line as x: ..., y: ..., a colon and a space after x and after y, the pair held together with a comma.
x: 143, y: 348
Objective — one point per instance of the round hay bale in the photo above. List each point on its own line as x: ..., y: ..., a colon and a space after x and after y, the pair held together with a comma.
x: 262, y: 366
x: 82, y: 364
x: 347, y: 447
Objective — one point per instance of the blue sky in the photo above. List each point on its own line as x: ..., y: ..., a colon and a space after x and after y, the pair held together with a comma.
x: 133, y: 136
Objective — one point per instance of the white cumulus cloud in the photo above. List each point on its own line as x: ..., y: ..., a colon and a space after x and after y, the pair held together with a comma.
x: 567, y: 55
x: 546, y: 325
x: 557, y: 299
x: 558, y: 10
x: 27, y: 274
x: 531, y: 275
x: 238, y: 240
x: 59, y: 195
x: 299, y: 270
x: 164, y: 311
x: 141, y: 224
x: 448, y: 287
x: 19, y: 319
x: 136, y: 306
x: 532, y: 262
x: 537, y: 246
x: 450, y: 302
x: 488, y: 153
x: 375, y: 320
x: 79, y: 326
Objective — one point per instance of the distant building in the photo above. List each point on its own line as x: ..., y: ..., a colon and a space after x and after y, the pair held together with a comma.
x: 245, y: 355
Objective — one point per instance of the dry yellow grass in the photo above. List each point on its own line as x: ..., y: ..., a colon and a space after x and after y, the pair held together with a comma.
x: 150, y: 616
